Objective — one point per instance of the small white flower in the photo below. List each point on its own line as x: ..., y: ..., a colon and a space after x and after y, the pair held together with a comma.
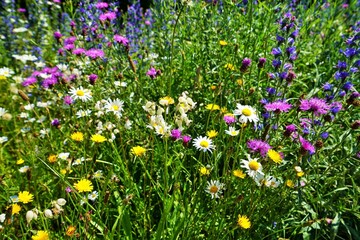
x: 3, y: 139
x: 20, y: 30
x: 48, y: 213
x: 204, y: 144
x: 24, y: 169
x: 78, y: 161
x: 246, y: 113
x: 61, y: 202
x: 2, y: 217
x: 63, y: 156
x: 98, y: 174
x: 92, y: 196
x: 24, y: 115
x: 29, y: 107
x: 128, y: 124
x: 272, y: 182
x: 82, y: 113
x: 114, y: 106
x: 2, y: 112
x: 214, y: 188
x: 30, y: 215
x: 232, y: 131
x: 6, y: 72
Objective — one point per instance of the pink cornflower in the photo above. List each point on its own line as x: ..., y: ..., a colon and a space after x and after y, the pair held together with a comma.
x: 68, y: 100
x: 95, y: 53
x: 153, y: 73
x: 316, y: 105
x: 101, y: 5
x: 229, y: 119
x: 306, y: 146
x: 107, y: 16
x: 175, y: 134
x: 260, y: 146
x: 78, y: 51
x: 122, y: 40
x: 278, y: 106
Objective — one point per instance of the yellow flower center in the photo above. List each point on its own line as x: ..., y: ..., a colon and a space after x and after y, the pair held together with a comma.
x: 115, y: 107
x: 204, y: 144
x: 213, y: 189
x: 80, y: 93
x: 254, y: 165
x: 246, y: 112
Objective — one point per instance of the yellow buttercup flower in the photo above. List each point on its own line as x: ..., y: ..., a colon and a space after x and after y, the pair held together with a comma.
x: 204, y: 171
x: 290, y: 183
x: 212, y: 133
x: 239, y: 173
x: 52, y: 158
x: 20, y: 161
x: 70, y: 231
x: 98, y: 138
x: 229, y: 66
x: 223, y: 43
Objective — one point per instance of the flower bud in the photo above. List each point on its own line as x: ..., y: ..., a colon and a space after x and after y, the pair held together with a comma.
x: 61, y: 201
x: 48, y: 213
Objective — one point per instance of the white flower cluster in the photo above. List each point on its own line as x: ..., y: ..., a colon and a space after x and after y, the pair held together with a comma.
x: 48, y: 213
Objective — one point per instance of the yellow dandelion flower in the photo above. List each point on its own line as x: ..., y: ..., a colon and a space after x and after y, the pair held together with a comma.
x: 83, y: 185
x: 138, y: 151
x: 41, y: 235
x: 223, y: 43
x: 239, y: 173
x: 243, y: 222
x: 212, y: 107
x: 20, y: 161
x: 229, y: 66
x: 212, y: 133
x: 15, y: 208
x: 275, y: 156
x: 204, y: 171
x: 240, y: 82
x: 70, y: 231
x: 52, y: 158
x: 213, y: 87
x: 98, y: 138
x: 77, y: 136
x: 290, y: 183
x: 25, y: 197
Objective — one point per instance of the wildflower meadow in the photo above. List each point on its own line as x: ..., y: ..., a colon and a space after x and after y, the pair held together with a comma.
x: 179, y: 119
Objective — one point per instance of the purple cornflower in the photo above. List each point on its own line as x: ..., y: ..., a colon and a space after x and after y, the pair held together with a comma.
x: 276, y: 63
x: 324, y: 135
x: 271, y: 91
x: 122, y: 40
x: 95, y: 53
x: 276, y: 51
x: 101, y: 5
x: 92, y: 78
x: 280, y: 39
x: 327, y: 86
x: 229, y: 119
x: 289, y: 129
x: 341, y: 65
x: 49, y: 82
x: 347, y: 86
x: 107, y: 16
x: 175, y: 134
x: 349, y: 52
x: 306, y: 146
x: 260, y: 146
x: 278, y: 106
x: 55, y: 122
x: 21, y: 10
x: 68, y: 100
x: 245, y: 64
x: 261, y: 62
x: 341, y: 75
x: 316, y: 105
x: 68, y: 47
x: 78, y: 51
x: 342, y: 93
x: 69, y: 40
x: 29, y: 81
x: 335, y: 107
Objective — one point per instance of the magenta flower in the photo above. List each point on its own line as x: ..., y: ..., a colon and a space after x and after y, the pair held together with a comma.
x: 307, y: 146
x: 78, y: 51
x: 175, y: 134
x: 68, y: 100
x: 229, y: 119
x: 107, y: 16
x: 29, y: 81
x: 259, y: 146
x: 101, y: 5
x: 153, y: 73
x: 186, y: 139
x: 316, y: 105
x: 122, y: 40
x: 95, y: 53
x: 69, y: 40
x: 278, y: 106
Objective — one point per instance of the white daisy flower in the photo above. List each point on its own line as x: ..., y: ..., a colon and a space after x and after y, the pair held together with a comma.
x: 80, y: 93
x: 24, y: 169
x: 203, y: 144
x: 98, y: 174
x: 232, y: 131
x: 115, y: 106
x: 259, y: 178
x: 93, y: 196
x: 78, y: 161
x: 82, y: 113
x: 252, y: 165
x: 214, y: 188
x: 29, y: 107
x: 63, y: 156
x: 246, y: 113
x: 272, y: 182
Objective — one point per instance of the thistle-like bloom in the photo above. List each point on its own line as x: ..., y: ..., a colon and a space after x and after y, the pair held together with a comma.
x: 316, y: 105
x: 258, y: 146
x: 306, y: 146
x: 95, y: 53
x: 278, y: 106
x: 246, y: 113
x: 122, y: 40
